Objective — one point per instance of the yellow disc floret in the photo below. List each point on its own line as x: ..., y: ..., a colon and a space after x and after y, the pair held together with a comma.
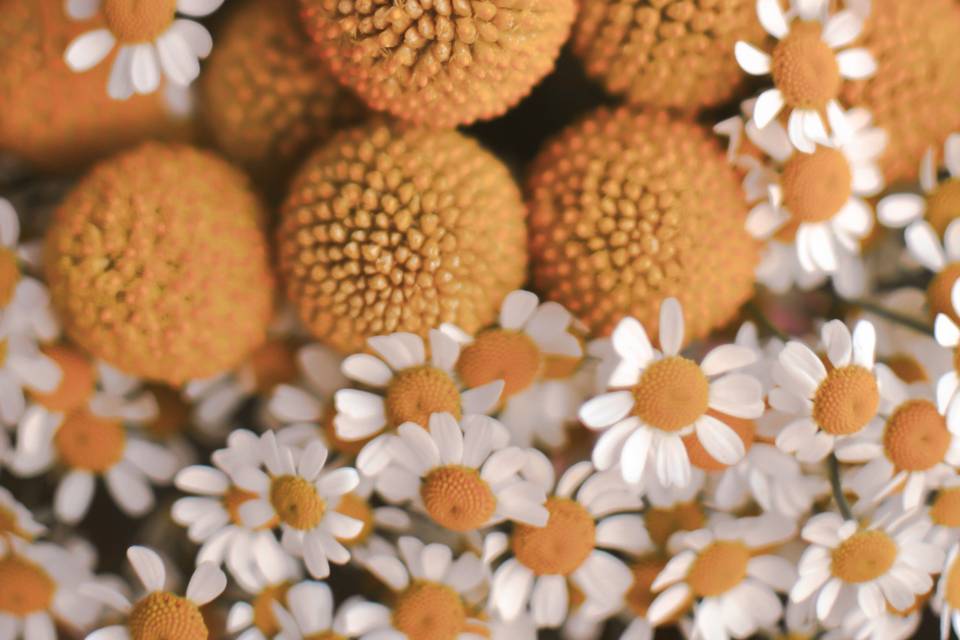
x: 671, y: 394
x: 561, y: 546
x: 77, y: 380
x: 429, y: 611
x: 88, y: 442
x: 162, y: 616
x: 157, y: 263
x: 297, y: 502
x: 718, y: 568
x: 805, y: 68
x: 664, y: 522
x: 457, y: 498
x: 135, y: 21
x: 645, y: 570
x: 816, y: 185
x: 864, y: 556
x: 500, y: 354
x: 25, y: 587
x: 846, y: 400
x: 9, y: 275
x: 916, y: 437
x: 263, y: 616
x: 414, y: 394
x: 394, y: 229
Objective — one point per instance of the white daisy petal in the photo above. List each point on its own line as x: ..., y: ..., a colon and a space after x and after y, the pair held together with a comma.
x: 668, y: 603
x: 946, y: 331
x: 767, y: 107
x: 928, y: 171
x: 145, y: 69
x: 549, y: 601
x: 856, y: 64
x: 367, y: 369
x: 83, y: 9
x: 177, y: 60
x: 841, y: 29
x: 864, y: 344
x: 726, y: 358
x: 207, y: 582
x: 148, y: 567
x: 951, y: 154
x: 73, y: 496
x: 633, y: 458
x: 720, y: 441
x: 481, y: 399
x: 772, y: 18
x: 449, y: 438
x: 838, y: 342
x: 671, y: 327
x: 631, y: 343
x: 924, y: 246
x: 900, y: 209
x: 89, y: 50
x: 752, y: 60
x: 198, y: 8
x: 607, y: 409
x: 444, y: 350
x: 107, y: 595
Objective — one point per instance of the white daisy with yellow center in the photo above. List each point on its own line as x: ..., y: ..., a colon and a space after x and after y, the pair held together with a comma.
x: 298, y: 494
x: 159, y: 613
x: 940, y: 258
x: 871, y: 565
x: 938, y: 202
x: 807, y: 72
x: 267, y: 576
x: 946, y: 331
x: 658, y: 397
x: 411, y: 389
x: 433, y: 596
x: 310, y: 614
x: 544, y: 564
x: 827, y: 402
x: 948, y: 594
x: 726, y: 575
x: 152, y: 42
x: 535, y: 352
x: 888, y: 625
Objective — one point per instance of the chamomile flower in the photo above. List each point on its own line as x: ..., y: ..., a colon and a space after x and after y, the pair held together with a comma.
x: 827, y: 402
x: 309, y: 613
x: 806, y: 70
x: 268, y: 577
x: 158, y: 613
x: 888, y: 625
x: 727, y: 576
x: 151, y: 40
x: 534, y: 351
x: 299, y: 494
x: 431, y: 596
x: 410, y: 390
x: 940, y: 258
x: 658, y: 397
x: 24, y: 301
x: 463, y: 477
x: 23, y: 367
x: 544, y: 564
x: 938, y: 203
x: 869, y: 565
x: 16, y: 522
x: 948, y: 594
x: 947, y: 334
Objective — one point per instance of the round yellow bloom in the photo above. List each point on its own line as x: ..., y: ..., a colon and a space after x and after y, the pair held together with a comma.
x: 157, y: 263
x: 389, y: 228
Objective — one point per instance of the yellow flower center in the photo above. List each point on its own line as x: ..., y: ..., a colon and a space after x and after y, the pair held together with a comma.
x: 457, y: 498
x: 863, y: 557
x: 89, y: 442
x: 77, y: 382
x: 846, y: 400
x: 952, y: 591
x: 816, y: 185
x: 134, y: 21
x: 804, y: 68
x: 916, y: 436
x: 939, y: 291
x: 671, y: 394
x: 9, y: 275
x: 499, y: 354
x: 945, y: 510
x: 274, y: 363
x: 355, y: 507
x: 429, y: 611
x: 417, y: 392
x: 561, y: 546
x: 25, y: 587
x: 700, y: 458
x: 324, y: 635
x: 718, y: 568
x: 663, y: 523
x: 263, y: 617
x: 164, y: 616
x: 297, y: 502
x: 645, y: 570
x: 173, y: 413
x: 907, y: 368
x: 943, y: 204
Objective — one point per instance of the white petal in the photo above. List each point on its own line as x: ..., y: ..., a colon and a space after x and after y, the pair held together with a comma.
x: 864, y: 344
x: 73, y: 496
x: 752, y: 60
x: 203, y: 480
x: 607, y: 409
x: 198, y: 8
x: 176, y: 59
x: 772, y: 18
x: 668, y: 603
x: 449, y: 438
x: 636, y: 451
x: 338, y: 482
x: 951, y: 154
x: 145, y: 69
x: 928, y: 171
x: 795, y: 130
x: 105, y: 594
x: 207, y: 582
x: 720, y: 441
x: 946, y: 331
x: 631, y: 343
x: 841, y: 29
x: 367, y: 369
x: 767, y: 107
x: 765, y: 219
x: 89, y: 50
x: 671, y: 327
x: 900, y: 209
x: 775, y: 571
x: 481, y: 399
x: 130, y: 490
x: 925, y: 246
x: 148, y: 566
x: 390, y: 570
x: 83, y: 9
x: 838, y: 342
x: 737, y: 394
x: 517, y: 308
x: 726, y: 358
x: 114, y: 632
x: 444, y: 350
x: 549, y: 601
x: 856, y: 64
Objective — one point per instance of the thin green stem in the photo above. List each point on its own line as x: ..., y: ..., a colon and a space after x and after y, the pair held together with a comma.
x: 765, y: 322
x: 834, y: 466
x: 894, y: 316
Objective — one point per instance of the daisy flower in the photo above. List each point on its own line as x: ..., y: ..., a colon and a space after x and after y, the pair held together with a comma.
x: 727, y: 576
x: 463, y: 477
x: 151, y: 41
x: 410, y: 389
x: 946, y: 331
x: 938, y: 201
x: 888, y: 625
x: 948, y: 594
x: 310, y: 613
x: 867, y: 565
x: 24, y: 302
x: 827, y: 403
x: 535, y: 352
x: 268, y: 577
x: 658, y: 397
x: 297, y: 494
x: 940, y: 258
x: 23, y: 367
x: 158, y: 613
x: 16, y: 522
x: 431, y: 596
x: 806, y: 70
x: 544, y: 564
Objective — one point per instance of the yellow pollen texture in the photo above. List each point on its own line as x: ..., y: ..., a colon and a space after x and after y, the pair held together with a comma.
x: 846, y: 400
x: 88, y: 442
x: 628, y: 209
x: 700, y: 458
x: 297, y: 502
x: 157, y: 263
x: 499, y: 354
x: 939, y: 291
x: 358, y: 508
x: 945, y: 510
x: 77, y: 380
x: 672, y: 394
x: 9, y: 275
x: 440, y: 63
x: 863, y: 557
x: 136, y: 21
x: 816, y: 185
x: 666, y: 53
x: 429, y: 611
x: 916, y: 437
x: 943, y: 204
x: 263, y: 617
x: 718, y: 568
x: 457, y: 498
x: 415, y: 393
x: 804, y: 67
x: 165, y: 616
x: 952, y: 590
x: 388, y: 228
x: 25, y: 587
x: 561, y: 546
x: 645, y: 570
x: 663, y: 523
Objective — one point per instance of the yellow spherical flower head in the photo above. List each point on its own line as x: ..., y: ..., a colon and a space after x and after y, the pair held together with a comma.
x: 158, y: 264
x: 388, y: 228
x: 915, y: 93
x: 57, y: 120
x: 628, y: 209
x: 671, y: 53
x: 440, y: 63
x: 263, y: 96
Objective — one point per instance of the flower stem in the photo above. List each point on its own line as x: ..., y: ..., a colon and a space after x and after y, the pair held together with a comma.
x: 894, y: 316
x: 765, y: 322
x: 834, y: 466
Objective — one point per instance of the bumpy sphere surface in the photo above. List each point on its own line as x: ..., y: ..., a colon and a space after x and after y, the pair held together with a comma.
x: 668, y: 53
x: 627, y: 209
x: 440, y: 62
x: 53, y: 118
x: 157, y: 263
x: 915, y: 93
x: 264, y: 97
x: 389, y: 228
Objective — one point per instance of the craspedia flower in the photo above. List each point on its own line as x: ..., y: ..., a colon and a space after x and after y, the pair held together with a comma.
x: 390, y: 229
x: 672, y: 53
x: 158, y: 264
x: 440, y: 63
x: 263, y: 96
x: 628, y: 209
